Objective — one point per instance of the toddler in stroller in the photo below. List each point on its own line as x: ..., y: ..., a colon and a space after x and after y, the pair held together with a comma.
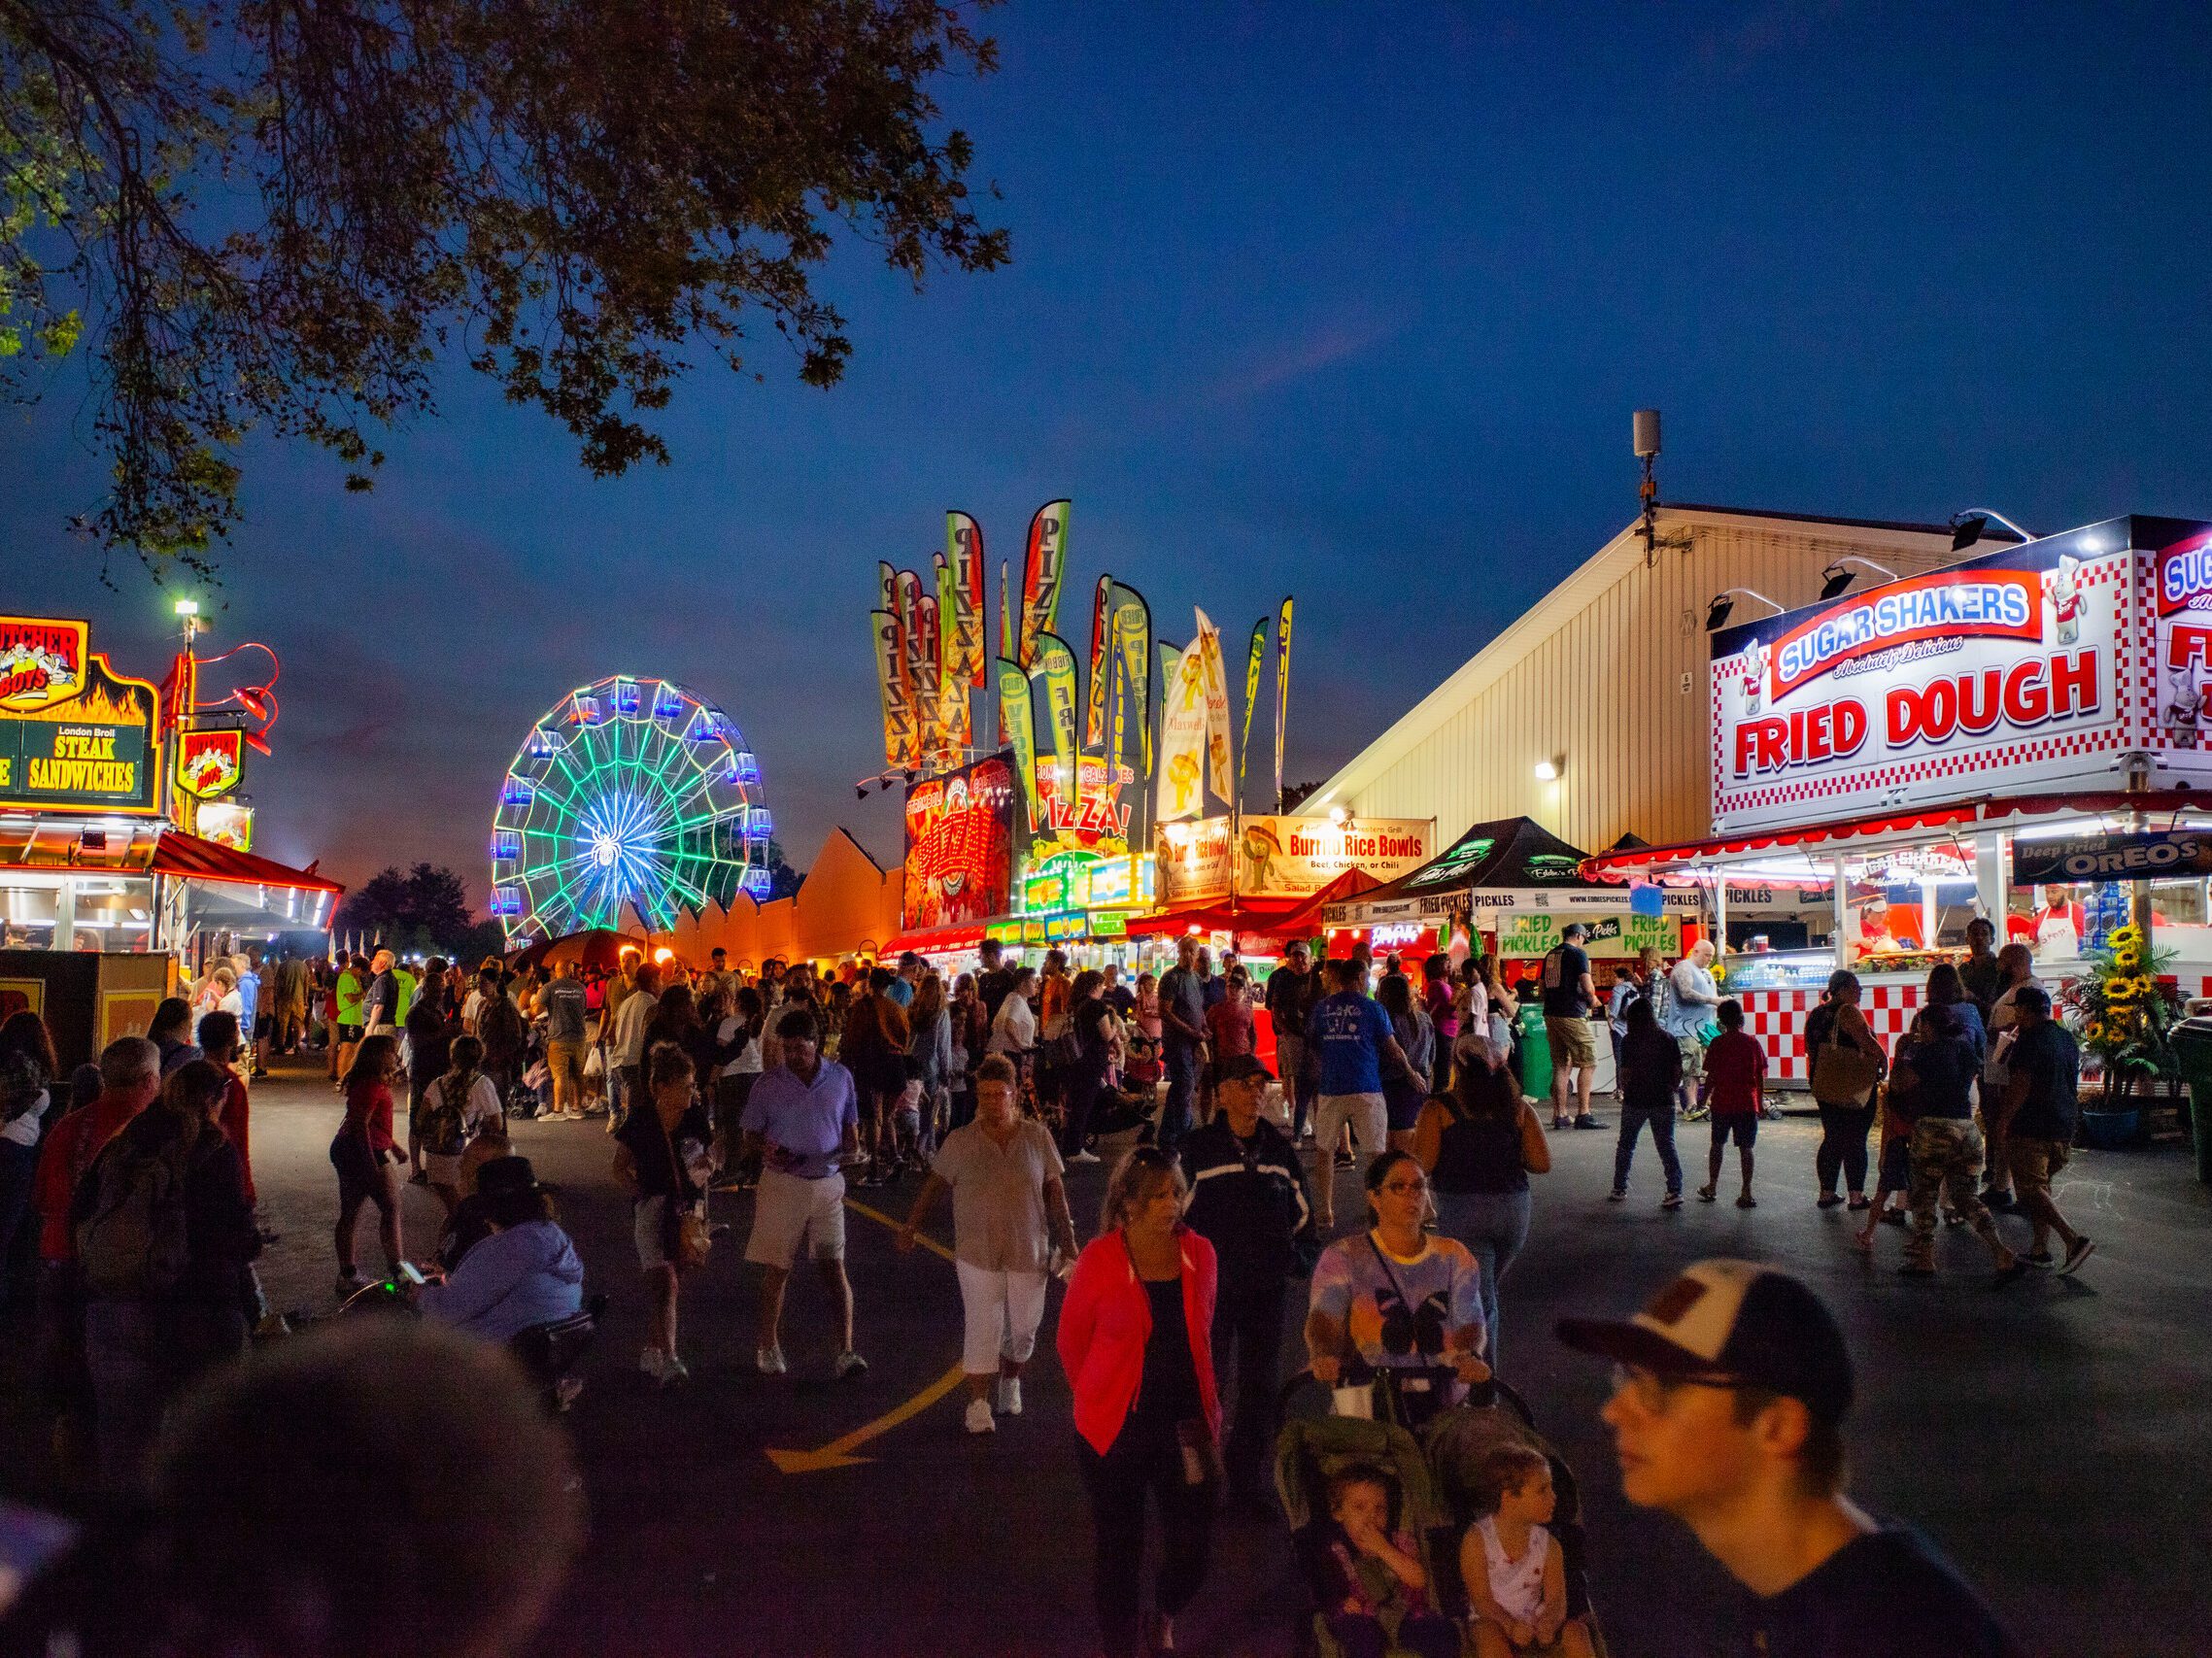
x: 1364, y: 1521
x: 1515, y: 1576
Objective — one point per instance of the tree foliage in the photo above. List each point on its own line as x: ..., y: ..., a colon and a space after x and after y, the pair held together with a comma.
x: 285, y: 213
x: 426, y: 908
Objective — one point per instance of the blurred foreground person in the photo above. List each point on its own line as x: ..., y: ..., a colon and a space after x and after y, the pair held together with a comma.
x: 377, y: 1487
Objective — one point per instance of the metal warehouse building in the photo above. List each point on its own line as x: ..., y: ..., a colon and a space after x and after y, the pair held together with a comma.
x: 1603, y: 682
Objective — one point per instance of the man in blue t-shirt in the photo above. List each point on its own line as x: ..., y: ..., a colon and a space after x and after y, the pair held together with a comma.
x: 1183, y: 1034
x: 1349, y: 1034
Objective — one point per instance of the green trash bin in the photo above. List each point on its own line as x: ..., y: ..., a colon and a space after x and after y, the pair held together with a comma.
x: 2193, y: 1046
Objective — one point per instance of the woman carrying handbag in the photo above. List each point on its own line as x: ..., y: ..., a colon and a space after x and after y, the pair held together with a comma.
x: 1847, y: 1063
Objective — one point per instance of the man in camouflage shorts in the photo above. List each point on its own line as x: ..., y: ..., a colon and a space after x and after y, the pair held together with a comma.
x: 1946, y: 1146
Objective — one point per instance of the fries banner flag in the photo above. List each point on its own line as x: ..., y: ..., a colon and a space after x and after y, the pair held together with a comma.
x: 1282, y: 693
x: 1252, y: 662
x: 1017, y: 724
x: 1183, y: 737
x: 1042, y: 570
x: 1220, y: 755
x: 963, y: 552
x: 1096, y: 687
x: 1056, y: 663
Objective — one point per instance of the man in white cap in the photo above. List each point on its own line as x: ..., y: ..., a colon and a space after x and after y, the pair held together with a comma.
x: 1729, y: 1392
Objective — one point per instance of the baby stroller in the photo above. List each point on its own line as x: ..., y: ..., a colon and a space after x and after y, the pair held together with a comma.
x: 1457, y: 1443
x: 1311, y: 1449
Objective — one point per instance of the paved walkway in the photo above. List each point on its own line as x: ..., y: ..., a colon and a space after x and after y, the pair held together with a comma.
x: 2054, y: 1438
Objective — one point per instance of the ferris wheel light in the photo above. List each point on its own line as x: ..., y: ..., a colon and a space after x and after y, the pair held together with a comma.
x: 626, y: 818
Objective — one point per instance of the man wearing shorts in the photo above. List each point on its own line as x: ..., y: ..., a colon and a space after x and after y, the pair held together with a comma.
x: 1349, y: 1033
x: 802, y: 1122
x: 1569, y: 997
x: 2039, y: 1112
x: 561, y: 1005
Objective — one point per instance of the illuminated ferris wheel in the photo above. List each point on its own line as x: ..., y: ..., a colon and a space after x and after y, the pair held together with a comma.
x: 630, y: 797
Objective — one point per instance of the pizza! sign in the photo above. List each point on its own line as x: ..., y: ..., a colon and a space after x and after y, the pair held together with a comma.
x: 2010, y: 670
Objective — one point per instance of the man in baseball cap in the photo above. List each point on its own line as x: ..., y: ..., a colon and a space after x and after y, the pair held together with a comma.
x: 1729, y: 1391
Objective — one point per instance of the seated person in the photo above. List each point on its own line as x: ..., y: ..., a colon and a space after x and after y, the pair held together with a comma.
x: 1367, y: 1575
x: 1515, y: 1579
x: 524, y: 1273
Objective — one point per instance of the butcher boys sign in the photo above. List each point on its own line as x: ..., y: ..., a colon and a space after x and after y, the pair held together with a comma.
x: 2010, y: 671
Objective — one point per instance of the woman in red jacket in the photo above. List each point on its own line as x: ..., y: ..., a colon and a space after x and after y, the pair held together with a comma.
x: 1135, y: 1336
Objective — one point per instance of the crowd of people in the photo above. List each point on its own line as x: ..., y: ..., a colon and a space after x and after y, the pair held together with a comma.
x: 1219, y: 1217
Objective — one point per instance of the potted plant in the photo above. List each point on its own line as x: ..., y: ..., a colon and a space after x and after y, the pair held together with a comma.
x: 2125, y: 1018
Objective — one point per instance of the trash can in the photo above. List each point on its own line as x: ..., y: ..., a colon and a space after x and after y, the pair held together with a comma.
x: 2193, y: 1046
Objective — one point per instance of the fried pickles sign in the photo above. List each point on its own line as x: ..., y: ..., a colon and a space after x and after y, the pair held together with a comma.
x: 74, y: 735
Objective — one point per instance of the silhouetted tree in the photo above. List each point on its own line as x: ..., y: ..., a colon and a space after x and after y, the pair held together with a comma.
x: 284, y: 215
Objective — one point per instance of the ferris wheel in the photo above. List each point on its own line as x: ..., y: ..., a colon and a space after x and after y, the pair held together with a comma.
x: 629, y: 796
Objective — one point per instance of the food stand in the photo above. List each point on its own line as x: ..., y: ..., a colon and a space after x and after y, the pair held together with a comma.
x: 2014, y: 737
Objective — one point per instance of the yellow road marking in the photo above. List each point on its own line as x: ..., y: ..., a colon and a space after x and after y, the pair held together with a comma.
x: 837, y: 1453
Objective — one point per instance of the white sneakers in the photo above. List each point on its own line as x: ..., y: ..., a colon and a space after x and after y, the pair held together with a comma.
x: 663, y: 1367
x: 1086, y: 1155
x: 1010, y: 1395
x: 979, y: 1419
x: 851, y: 1366
x: 769, y: 1360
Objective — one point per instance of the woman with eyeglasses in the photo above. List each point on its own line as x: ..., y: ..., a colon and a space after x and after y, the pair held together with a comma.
x: 1134, y: 1337
x: 1395, y: 1298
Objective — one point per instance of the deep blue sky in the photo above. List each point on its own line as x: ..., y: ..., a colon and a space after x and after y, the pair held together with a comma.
x: 1299, y: 303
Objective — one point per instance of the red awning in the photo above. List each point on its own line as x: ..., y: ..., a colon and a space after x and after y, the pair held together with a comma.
x: 1216, y: 915
x: 197, y: 860
x: 935, y: 940
x: 1970, y: 814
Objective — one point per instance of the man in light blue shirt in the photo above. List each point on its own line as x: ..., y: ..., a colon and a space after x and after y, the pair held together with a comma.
x: 803, y: 1119
x: 1349, y: 1033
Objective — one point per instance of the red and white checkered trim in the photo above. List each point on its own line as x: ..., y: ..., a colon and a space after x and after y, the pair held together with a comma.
x: 1777, y: 1018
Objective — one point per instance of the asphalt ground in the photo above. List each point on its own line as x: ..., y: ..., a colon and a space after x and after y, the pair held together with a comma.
x: 2051, y: 1438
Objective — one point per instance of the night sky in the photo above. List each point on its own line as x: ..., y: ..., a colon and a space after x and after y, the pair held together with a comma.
x: 1297, y: 304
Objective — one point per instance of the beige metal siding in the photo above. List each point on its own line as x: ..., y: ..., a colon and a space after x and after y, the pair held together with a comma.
x: 1600, y: 682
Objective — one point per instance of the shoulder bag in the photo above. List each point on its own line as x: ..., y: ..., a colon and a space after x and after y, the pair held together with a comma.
x: 1844, y: 1073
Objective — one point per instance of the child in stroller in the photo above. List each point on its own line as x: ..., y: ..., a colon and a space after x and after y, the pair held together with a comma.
x: 1369, y: 1585
x: 1515, y: 1576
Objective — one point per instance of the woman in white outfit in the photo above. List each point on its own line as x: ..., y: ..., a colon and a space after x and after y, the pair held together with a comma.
x: 1008, y: 1207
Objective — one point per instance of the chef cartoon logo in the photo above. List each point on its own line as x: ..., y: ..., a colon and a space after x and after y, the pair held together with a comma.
x: 1751, y: 677
x: 2066, y: 599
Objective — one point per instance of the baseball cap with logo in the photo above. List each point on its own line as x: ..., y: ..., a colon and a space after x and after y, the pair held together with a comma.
x: 1732, y: 1321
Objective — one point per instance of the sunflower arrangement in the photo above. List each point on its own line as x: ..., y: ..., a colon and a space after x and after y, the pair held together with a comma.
x: 2121, y: 1012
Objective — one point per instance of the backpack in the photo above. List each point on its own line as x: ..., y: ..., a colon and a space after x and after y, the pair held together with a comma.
x: 134, y: 1241
x: 445, y: 1131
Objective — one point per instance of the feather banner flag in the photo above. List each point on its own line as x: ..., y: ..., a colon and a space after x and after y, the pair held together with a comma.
x: 1183, y: 735
x: 886, y: 586
x: 1042, y: 570
x: 955, y: 718
x: 897, y: 707
x: 1098, y: 689
x: 1133, y: 629
x: 1056, y: 665
x: 963, y: 553
x: 1220, y: 756
x: 1017, y: 725
x: 929, y: 700
x: 1282, y: 693
x: 1253, y: 658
